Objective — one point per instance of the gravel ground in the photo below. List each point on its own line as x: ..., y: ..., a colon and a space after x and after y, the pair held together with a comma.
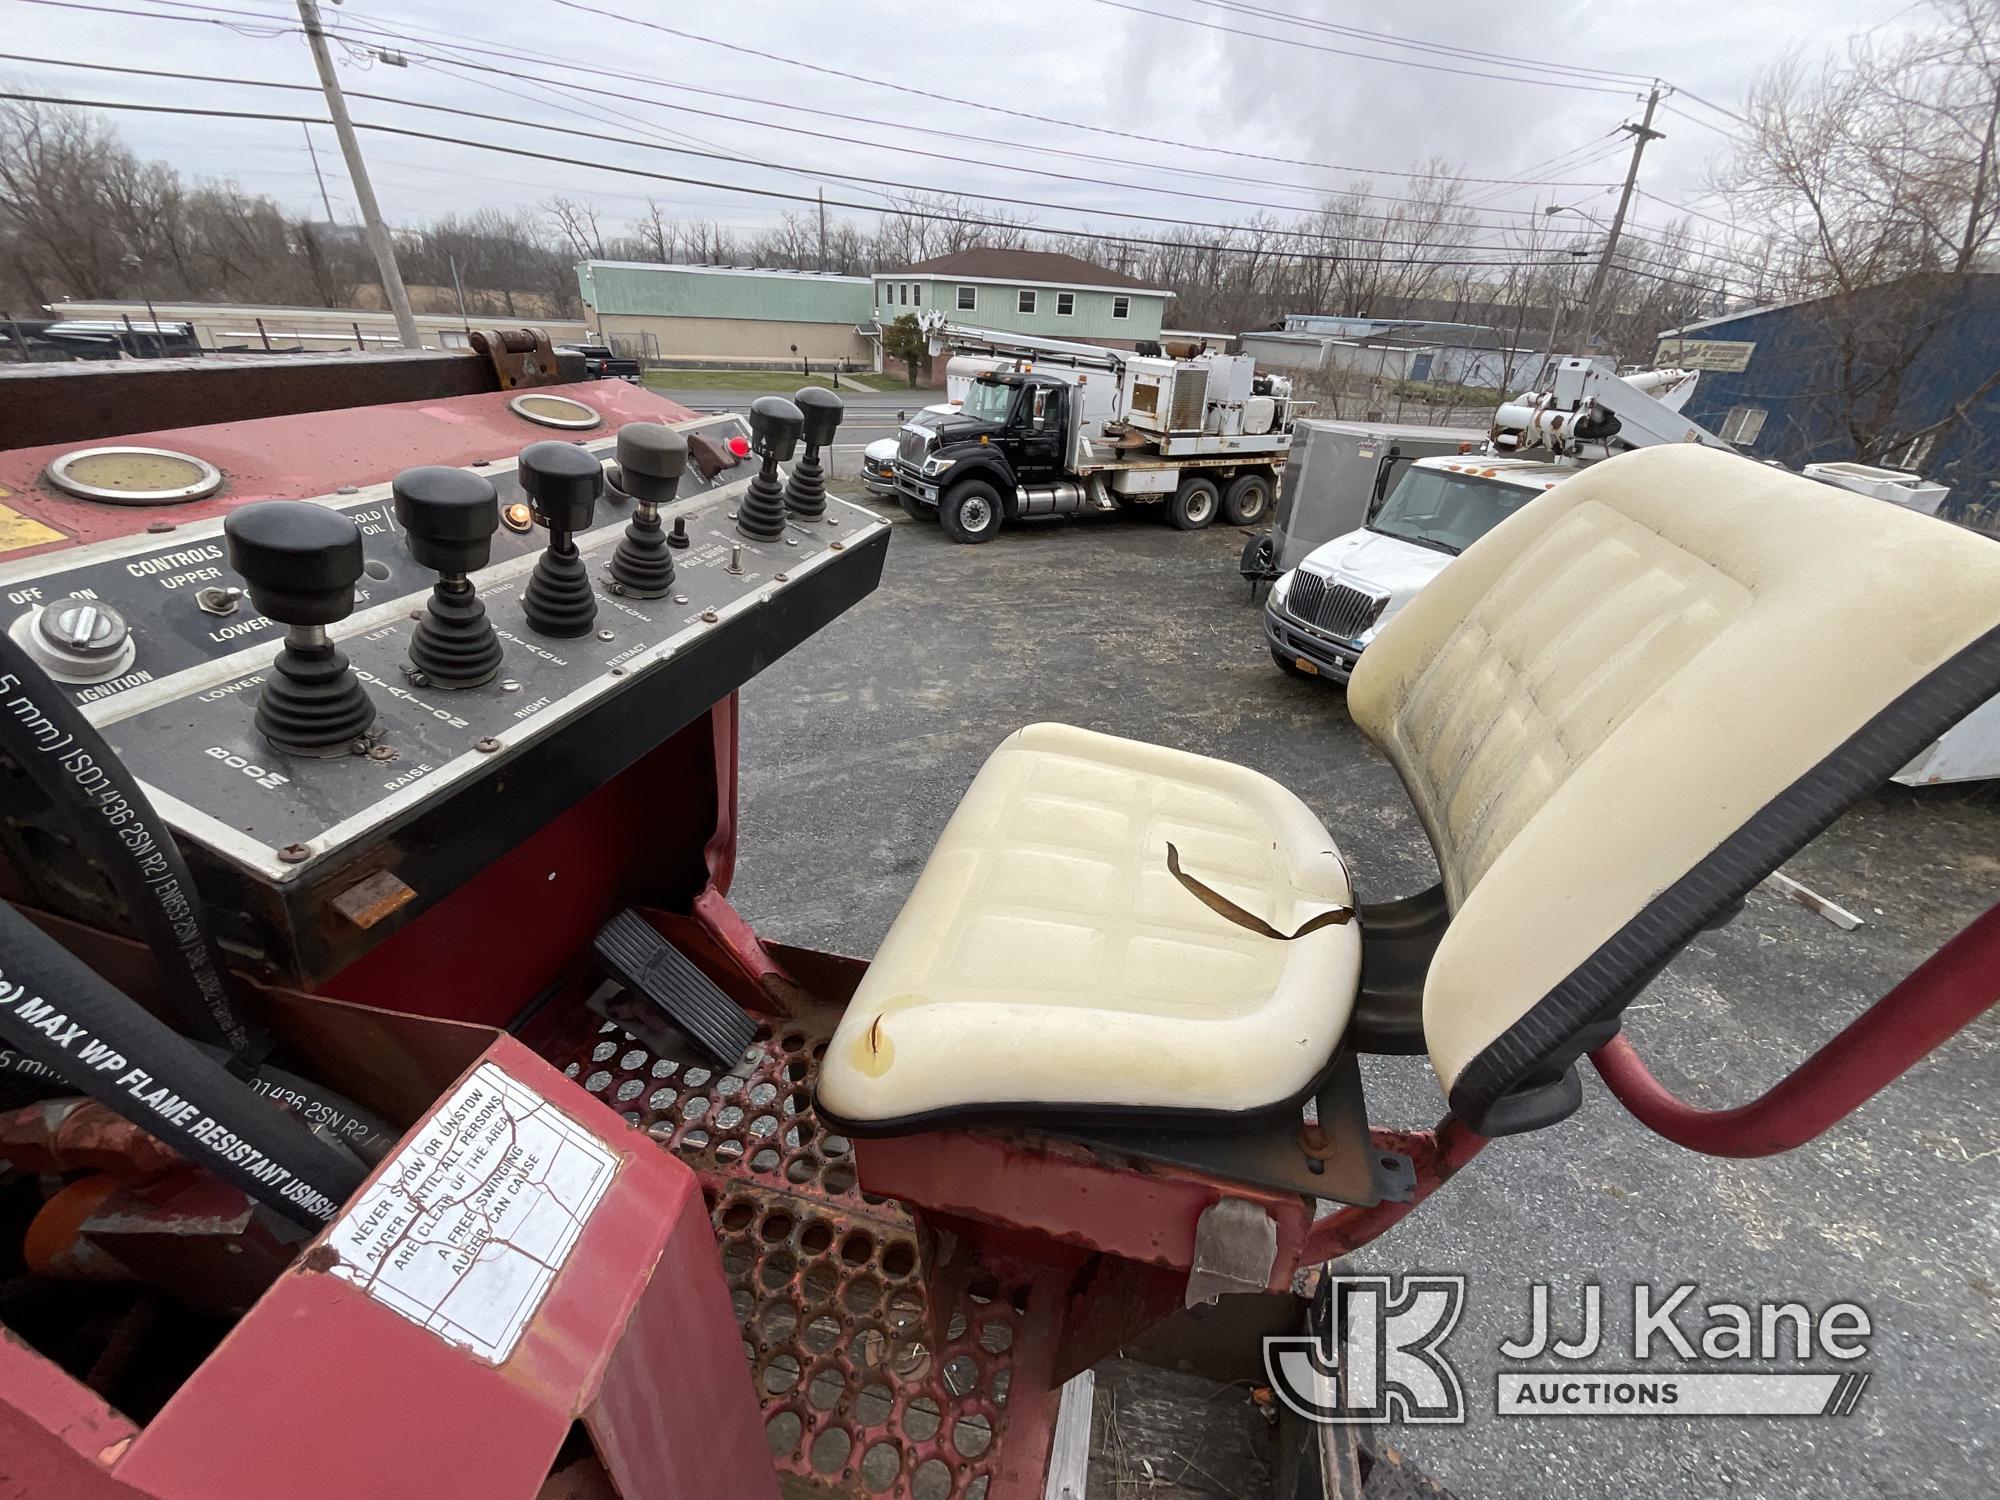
x: 857, y: 747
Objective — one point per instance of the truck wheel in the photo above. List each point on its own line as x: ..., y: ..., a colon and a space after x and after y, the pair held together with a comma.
x: 970, y: 511
x: 1247, y: 499
x: 914, y: 508
x: 1194, y: 504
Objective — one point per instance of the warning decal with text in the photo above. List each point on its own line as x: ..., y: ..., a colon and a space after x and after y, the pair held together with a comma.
x: 473, y: 1217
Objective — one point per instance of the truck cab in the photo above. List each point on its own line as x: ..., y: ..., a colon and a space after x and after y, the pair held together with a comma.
x: 1012, y: 432
x: 1322, y: 614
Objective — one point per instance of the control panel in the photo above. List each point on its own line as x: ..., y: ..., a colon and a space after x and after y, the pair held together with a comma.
x: 416, y: 676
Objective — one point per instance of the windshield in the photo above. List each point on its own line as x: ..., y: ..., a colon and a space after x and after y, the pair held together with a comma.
x: 1447, y: 511
x: 988, y: 400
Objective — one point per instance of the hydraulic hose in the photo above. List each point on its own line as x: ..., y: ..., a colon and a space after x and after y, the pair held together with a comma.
x: 57, y: 1011
x: 332, y: 1117
x: 43, y: 732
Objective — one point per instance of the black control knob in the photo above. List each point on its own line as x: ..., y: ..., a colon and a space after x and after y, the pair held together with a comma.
x: 301, y: 562
x: 651, y: 460
x: 775, y: 424
x: 805, y: 490
x: 562, y: 483
x: 449, y: 517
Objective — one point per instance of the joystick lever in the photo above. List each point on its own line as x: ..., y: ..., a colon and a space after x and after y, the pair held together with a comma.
x: 775, y: 424
x: 449, y: 516
x: 562, y: 483
x: 301, y: 562
x: 651, y: 460
x: 805, y: 491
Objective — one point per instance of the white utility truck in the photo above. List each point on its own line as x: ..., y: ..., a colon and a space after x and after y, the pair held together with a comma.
x: 1320, y: 616
x: 1063, y: 427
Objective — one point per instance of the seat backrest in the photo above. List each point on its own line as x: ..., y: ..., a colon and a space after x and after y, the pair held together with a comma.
x: 1629, y: 703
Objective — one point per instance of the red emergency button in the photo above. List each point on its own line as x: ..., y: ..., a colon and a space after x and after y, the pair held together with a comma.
x: 740, y: 446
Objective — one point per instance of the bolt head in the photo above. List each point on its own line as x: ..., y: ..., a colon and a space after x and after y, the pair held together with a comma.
x: 486, y: 746
x: 293, y: 854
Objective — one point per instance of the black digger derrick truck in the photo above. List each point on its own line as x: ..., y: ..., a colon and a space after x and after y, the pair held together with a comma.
x: 1066, y: 427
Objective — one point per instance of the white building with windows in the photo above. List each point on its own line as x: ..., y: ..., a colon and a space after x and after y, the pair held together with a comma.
x: 1042, y: 292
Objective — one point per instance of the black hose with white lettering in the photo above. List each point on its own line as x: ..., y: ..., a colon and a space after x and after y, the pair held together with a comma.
x: 55, y: 1010
x: 330, y: 1116
x: 103, y: 807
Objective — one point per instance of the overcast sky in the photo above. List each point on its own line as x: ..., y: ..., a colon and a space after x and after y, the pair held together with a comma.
x: 1326, y: 118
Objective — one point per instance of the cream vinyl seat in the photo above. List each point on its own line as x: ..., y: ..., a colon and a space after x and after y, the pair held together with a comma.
x: 1614, y: 715
x: 1048, y: 956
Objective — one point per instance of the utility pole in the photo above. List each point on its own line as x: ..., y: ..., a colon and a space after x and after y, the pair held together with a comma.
x: 1640, y: 133
x: 822, y: 229
x: 357, y: 172
x: 324, y: 201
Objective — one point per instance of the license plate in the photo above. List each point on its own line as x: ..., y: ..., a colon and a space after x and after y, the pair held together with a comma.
x: 1307, y: 666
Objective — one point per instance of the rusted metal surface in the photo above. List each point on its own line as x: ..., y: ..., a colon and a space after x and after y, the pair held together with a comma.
x: 367, y: 902
x: 520, y: 357
x: 293, y: 454
x: 1944, y: 994
x: 1090, y: 1199
x: 81, y: 1135
x: 1436, y: 1156
x: 875, y: 1376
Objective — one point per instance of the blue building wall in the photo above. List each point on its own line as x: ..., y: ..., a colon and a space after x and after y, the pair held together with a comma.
x: 1792, y: 376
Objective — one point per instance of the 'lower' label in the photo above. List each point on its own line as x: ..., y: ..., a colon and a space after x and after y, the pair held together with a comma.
x: 474, y: 1216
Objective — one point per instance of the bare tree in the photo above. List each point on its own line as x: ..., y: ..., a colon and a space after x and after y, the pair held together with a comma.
x: 576, y: 222
x: 1870, y: 184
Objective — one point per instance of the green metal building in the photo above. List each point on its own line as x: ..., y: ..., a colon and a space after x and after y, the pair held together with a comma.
x: 729, y: 314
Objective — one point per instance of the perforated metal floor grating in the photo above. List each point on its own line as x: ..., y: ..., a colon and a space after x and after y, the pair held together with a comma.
x: 863, y: 1392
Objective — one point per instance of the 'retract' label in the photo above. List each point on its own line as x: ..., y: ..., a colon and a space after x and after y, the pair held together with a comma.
x: 473, y: 1217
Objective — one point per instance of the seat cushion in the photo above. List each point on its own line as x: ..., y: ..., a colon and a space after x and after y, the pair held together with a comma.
x: 1049, y: 964
x: 1630, y: 702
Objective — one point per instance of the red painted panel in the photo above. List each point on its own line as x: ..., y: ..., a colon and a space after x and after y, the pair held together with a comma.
x: 322, y: 1393
x: 314, y: 453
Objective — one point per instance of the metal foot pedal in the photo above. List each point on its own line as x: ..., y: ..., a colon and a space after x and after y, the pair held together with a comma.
x: 650, y: 966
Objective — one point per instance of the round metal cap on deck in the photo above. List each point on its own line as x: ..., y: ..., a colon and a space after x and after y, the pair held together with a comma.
x: 301, y: 560
x: 134, y: 476
x: 555, y: 411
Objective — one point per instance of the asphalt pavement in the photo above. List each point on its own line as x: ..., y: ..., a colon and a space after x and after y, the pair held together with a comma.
x: 857, y: 746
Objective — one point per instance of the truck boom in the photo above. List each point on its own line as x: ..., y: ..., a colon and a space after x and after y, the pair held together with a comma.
x: 1586, y: 406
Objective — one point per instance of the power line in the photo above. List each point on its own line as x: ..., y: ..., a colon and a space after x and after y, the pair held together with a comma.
x: 594, y: 135
x: 1294, y: 42
x: 937, y: 216
x: 1383, y: 38
x: 370, y: 29
x: 999, y: 109
x: 1377, y: 243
